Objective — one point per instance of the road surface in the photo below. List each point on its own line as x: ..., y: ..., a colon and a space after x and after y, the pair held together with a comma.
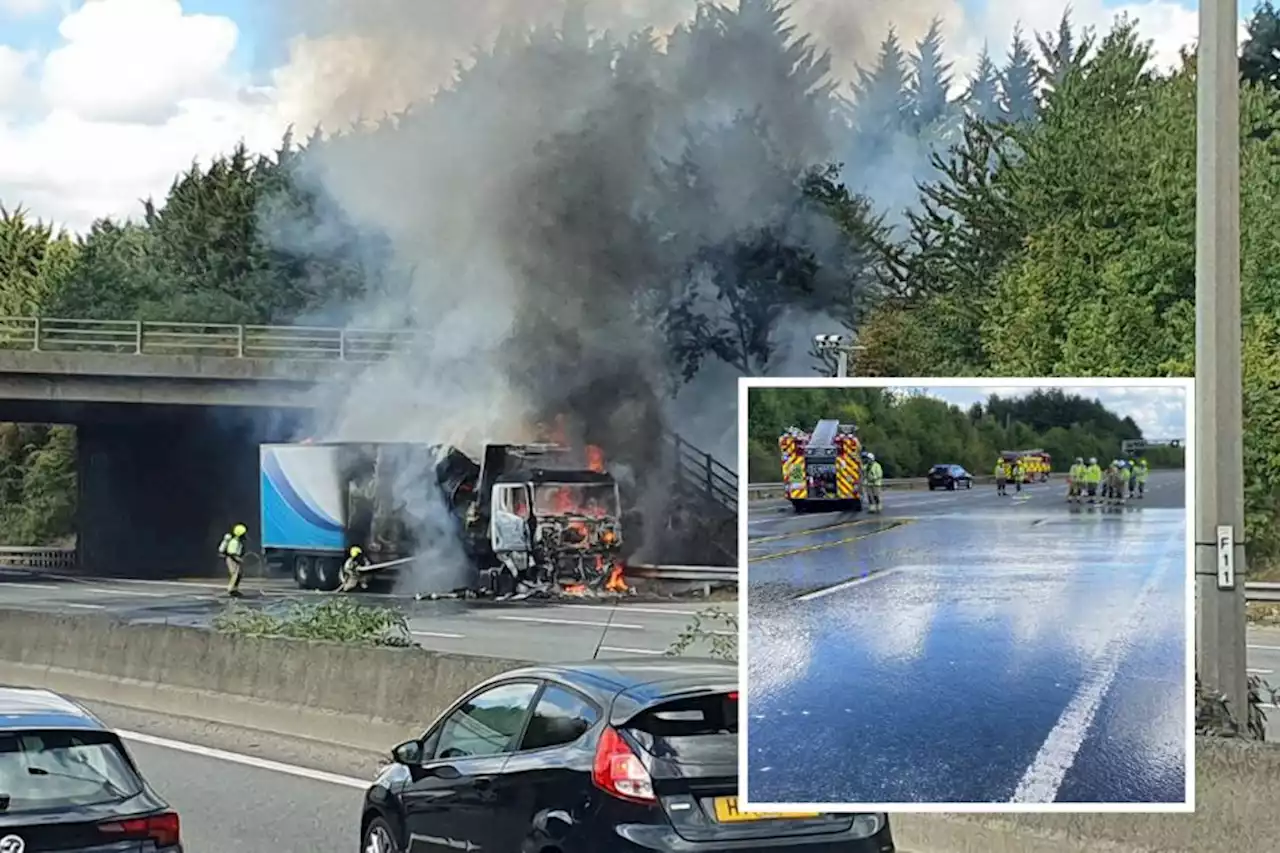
x: 542, y: 631
x: 970, y: 648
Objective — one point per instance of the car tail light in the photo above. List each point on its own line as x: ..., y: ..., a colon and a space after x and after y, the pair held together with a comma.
x: 733, y: 697
x: 618, y: 770
x: 164, y: 829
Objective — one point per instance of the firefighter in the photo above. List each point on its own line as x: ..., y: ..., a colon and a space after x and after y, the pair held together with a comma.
x: 1075, y: 480
x: 232, y: 551
x: 1019, y: 474
x: 1117, y: 482
x: 1131, y: 468
x: 1143, y: 471
x: 1092, y: 477
x: 1002, y: 479
x: 875, y: 482
x: 350, y: 574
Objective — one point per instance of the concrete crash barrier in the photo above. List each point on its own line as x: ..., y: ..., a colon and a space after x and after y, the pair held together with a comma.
x: 775, y: 491
x: 359, y: 697
x: 1235, y: 810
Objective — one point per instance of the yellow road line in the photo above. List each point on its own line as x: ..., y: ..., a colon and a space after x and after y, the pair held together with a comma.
x: 897, y: 523
x: 812, y: 530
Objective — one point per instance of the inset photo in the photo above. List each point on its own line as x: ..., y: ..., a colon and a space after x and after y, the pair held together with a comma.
x: 967, y: 595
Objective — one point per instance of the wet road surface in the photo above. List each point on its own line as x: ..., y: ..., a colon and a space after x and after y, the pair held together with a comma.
x: 966, y: 648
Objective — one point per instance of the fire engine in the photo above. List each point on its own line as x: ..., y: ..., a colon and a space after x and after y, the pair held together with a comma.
x: 1036, y: 464
x: 822, y: 469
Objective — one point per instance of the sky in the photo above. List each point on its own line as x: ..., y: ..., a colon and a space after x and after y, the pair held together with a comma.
x: 103, y: 102
x: 1161, y: 413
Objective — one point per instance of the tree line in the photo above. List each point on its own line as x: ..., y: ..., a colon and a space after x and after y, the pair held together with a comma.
x: 911, y: 431
x: 1036, y: 219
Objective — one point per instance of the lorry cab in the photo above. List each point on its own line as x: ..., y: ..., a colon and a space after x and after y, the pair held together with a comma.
x: 554, y: 525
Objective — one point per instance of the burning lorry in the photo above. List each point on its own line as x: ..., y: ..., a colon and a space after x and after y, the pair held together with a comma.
x: 528, y: 516
x: 822, y: 469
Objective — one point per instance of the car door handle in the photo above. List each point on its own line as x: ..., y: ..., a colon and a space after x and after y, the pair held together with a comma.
x: 482, y: 783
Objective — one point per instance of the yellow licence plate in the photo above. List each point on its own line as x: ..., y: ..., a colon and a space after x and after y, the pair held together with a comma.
x: 727, y: 812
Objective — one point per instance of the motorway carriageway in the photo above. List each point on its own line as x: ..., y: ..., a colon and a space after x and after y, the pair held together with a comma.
x: 530, y: 630
x: 970, y: 648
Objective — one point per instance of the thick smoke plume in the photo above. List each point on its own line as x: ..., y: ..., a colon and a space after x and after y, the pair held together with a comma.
x: 546, y: 206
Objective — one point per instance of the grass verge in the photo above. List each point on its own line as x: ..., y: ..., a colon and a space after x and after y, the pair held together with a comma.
x: 338, y: 620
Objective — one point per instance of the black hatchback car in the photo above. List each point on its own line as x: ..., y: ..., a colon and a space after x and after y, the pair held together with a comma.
x: 625, y: 755
x: 949, y: 477
x: 68, y: 784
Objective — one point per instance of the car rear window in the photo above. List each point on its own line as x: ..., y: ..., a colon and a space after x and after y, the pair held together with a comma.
x: 51, y: 769
x: 697, y: 730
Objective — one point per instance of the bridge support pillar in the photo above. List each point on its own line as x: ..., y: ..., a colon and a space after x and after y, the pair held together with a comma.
x: 156, y: 495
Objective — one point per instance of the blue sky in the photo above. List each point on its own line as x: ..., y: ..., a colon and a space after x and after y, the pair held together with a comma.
x: 1158, y: 412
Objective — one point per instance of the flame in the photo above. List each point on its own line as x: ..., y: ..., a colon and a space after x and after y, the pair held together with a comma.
x: 575, y: 589
x: 595, y: 458
x: 617, y: 581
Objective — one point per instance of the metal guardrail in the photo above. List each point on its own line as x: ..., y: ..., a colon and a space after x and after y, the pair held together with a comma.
x: 226, y: 340
x: 38, y: 558
x: 702, y: 472
x: 1262, y: 591
x: 707, y: 574
x: 759, y: 490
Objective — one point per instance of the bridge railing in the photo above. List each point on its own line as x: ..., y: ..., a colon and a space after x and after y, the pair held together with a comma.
x: 225, y: 340
x: 702, y: 472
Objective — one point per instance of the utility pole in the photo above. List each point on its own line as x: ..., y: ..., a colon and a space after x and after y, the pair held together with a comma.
x: 1219, y: 509
x: 841, y: 346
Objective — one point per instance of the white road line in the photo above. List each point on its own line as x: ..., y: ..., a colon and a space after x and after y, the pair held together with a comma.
x: 108, y: 591
x: 1264, y: 648
x: 246, y: 760
x: 79, y: 606
x: 841, y: 587
x: 1261, y: 671
x: 442, y: 635
x: 658, y: 611
x: 1041, y: 782
x: 12, y: 585
x: 541, y: 621
x: 623, y: 650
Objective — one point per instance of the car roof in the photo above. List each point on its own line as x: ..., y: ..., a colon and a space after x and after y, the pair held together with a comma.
x: 30, y: 708
x: 644, y: 679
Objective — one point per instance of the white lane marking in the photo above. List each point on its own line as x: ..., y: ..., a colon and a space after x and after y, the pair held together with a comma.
x: 1043, y: 779
x: 79, y: 606
x: 1261, y: 671
x: 107, y: 591
x: 623, y: 650
x: 246, y: 760
x: 11, y: 585
x: 841, y: 587
x: 541, y: 621
x: 441, y: 634
x: 659, y: 611
x: 1264, y: 648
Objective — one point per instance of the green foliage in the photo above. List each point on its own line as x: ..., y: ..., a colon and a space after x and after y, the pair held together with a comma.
x: 1215, y: 717
x: 338, y: 620
x: 713, y: 632
x: 909, y: 433
x: 1260, y: 53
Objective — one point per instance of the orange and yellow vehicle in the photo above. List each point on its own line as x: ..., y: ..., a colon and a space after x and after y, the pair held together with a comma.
x: 822, y: 469
x: 1037, y: 465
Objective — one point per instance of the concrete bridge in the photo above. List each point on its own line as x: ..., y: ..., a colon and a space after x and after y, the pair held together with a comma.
x: 169, y: 417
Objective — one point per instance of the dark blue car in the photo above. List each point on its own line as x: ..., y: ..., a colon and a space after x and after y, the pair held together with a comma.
x: 597, y: 757
x: 68, y: 784
x: 950, y: 477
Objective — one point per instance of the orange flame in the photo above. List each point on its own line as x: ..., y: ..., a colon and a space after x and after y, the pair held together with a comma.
x: 617, y: 581
x: 595, y: 458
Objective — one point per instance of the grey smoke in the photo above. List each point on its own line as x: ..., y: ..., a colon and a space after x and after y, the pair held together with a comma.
x: 532, y: 232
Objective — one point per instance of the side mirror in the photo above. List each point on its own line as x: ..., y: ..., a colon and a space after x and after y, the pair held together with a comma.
x: 408, y: 753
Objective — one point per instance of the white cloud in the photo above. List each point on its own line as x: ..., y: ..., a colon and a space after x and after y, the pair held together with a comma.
x: 13, y: 74
x: 137, y: 60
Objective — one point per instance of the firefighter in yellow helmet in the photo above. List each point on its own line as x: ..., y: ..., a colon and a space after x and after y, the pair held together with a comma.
x: 232, y: 551
x: 350, y: 574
